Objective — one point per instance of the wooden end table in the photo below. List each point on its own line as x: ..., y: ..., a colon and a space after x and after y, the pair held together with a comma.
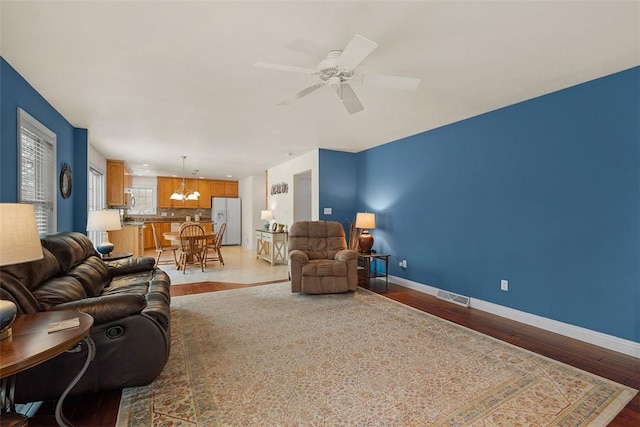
x: 31, y: 344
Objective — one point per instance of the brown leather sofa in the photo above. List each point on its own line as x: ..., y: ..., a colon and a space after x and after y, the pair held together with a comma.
x: 319, y: 260
x: 128, y: 299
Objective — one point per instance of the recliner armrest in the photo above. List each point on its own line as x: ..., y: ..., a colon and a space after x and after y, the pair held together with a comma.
x: 107, y: 307
x: 298, y: 256
x: 131, y: 265
x: 346, y: 255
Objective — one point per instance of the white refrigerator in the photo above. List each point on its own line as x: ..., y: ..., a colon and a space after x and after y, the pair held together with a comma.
x: 227, y: 209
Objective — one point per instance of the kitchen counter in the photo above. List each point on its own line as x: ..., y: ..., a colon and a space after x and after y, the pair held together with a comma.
x: 147, y: 219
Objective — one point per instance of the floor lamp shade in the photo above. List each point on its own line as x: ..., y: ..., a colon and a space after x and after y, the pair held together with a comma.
x: 19, y: 242
x: 365, y: 221
x: 107, y: 220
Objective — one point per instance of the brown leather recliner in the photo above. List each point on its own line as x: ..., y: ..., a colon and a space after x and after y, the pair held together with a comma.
x: 319, y: 261
x: 128, y: 299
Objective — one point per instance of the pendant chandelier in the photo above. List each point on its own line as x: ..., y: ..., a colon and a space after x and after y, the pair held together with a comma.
x: 195, y: 185
x: 183, y: 193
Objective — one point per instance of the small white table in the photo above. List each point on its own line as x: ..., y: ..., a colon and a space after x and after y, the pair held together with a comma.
x: 272, y: 246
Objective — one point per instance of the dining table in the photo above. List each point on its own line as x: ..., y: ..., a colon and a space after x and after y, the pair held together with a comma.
x: 174, y: 236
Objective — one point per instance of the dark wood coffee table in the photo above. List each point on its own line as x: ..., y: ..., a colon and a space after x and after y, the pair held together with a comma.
x: 31, y: 344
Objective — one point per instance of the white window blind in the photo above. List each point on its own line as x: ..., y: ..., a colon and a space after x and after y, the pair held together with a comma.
x: 36, y: 168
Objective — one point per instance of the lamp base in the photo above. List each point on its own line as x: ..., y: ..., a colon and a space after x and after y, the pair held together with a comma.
x: 105, y: 248
x: 5, y: 333
x: 365, y: 240
x: 8, y: 311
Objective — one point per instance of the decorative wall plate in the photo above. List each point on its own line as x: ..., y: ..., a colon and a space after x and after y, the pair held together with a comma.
x: 65, y: 181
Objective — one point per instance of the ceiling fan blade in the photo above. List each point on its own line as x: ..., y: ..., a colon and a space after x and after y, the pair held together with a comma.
x: 282, y: 67
x: 390, y: 82
x: 304, y: 92
x: 356, y: 51
x: 349, y: 99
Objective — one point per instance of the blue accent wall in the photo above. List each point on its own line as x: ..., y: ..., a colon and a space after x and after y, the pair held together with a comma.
x: 544, y: 194
x: 337, y: 176
x: 71, y: 148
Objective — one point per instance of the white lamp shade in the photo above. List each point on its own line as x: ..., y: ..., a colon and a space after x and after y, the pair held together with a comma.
x: 365, y: 220
x: 19, y: 238
x: 107, y: 220
x: 266, y: 214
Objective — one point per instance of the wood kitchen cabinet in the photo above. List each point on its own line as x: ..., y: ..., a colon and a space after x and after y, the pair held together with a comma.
x: 119, y: 178
x: 204, y: 187
x: 207, y: 188
x: 220, y: 188
x: 166, y: 187
x: 149, y: 242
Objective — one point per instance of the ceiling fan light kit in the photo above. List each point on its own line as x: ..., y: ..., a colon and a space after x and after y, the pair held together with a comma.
x: 338, y: 68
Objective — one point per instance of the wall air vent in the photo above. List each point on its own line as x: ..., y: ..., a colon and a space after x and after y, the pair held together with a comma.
x: 454, y: 298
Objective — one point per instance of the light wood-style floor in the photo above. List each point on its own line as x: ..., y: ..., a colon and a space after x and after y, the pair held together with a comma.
x: 101, y: 410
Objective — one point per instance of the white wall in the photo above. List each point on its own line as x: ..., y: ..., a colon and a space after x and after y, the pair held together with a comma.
x: 97, y: 161
x: 252, y: 192
x: 282, y: 205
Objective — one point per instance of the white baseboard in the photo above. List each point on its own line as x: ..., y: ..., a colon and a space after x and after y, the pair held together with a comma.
x: 610, y: 342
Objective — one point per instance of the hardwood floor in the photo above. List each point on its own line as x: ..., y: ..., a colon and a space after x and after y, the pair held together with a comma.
x: 101, y: 410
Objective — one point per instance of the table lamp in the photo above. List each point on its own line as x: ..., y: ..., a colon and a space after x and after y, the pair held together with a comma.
x: 267, y: 216
x: 365, y: 221
x: 106, y: 220
x: 19, y: 242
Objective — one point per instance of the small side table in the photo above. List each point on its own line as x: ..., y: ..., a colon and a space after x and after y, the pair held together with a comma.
x: 114, y: 256
x: 365, y: 262
x: 31, y: 344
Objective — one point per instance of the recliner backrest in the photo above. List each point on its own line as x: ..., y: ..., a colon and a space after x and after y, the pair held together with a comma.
x: 318, y: 239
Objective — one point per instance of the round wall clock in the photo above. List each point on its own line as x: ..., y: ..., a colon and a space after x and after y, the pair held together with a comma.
x: 65, y: 181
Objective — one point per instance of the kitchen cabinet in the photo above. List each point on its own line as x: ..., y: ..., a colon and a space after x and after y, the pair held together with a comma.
x: 207, y: 188
x: 119, y: 178
x: 204, y: 187
x: 149, y: 242
x: 130, y: 238
x: 167, y: 185
x: 220, y: 188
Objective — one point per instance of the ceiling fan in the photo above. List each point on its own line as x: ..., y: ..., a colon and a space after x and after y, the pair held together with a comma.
x: 337, y: 70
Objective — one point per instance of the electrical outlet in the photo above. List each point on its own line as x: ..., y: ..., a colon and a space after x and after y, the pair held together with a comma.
x: 404, y: 263
x: 400, y: 263
x: 504, y: 285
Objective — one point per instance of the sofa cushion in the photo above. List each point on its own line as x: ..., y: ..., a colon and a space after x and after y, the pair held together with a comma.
x: 59, y: 290
x: 93, y: 274
x: 324, y: 267
x: 32, y: 274
x: 70, y: 248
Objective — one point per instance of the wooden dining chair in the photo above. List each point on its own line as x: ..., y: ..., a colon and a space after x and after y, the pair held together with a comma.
x: 192, y: 246
x: 160, y: 249
x: 212, y: 251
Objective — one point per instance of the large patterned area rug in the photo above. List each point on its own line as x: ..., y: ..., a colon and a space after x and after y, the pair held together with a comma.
x: 262, y: 356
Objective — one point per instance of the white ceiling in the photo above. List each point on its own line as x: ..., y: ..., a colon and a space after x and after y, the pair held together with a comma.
x: 152, y: 81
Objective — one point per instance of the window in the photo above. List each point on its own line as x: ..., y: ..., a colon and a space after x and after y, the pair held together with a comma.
x: 36, y: 170
x: 95, y: 199
x: 143, y: 201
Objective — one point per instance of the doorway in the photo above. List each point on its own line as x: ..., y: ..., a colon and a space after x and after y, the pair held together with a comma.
x: 302, y: 196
